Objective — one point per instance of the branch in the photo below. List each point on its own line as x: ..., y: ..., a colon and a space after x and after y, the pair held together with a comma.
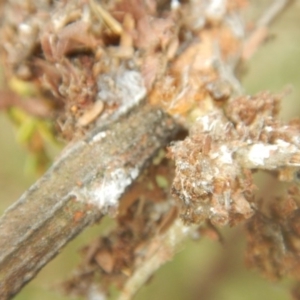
x: 213, y: 178
x: 259, y: 35
x: 83, y: 185
x: 161, y: 249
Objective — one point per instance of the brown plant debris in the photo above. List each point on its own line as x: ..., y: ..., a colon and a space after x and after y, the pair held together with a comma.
x: 83, y: 55
x: 213, y: 178
x: 274, y: 238
x: 93, y: 61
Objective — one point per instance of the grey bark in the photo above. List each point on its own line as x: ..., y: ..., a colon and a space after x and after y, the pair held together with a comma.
x: 73, y: 194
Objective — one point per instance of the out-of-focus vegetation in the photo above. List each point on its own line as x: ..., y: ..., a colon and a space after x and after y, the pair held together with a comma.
x: 203, y: 269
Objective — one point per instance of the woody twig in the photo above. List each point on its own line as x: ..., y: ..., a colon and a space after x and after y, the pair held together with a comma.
x: 84, y: 184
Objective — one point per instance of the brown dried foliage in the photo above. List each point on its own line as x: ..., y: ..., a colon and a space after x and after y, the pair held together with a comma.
x: 182, y: 58
x: 210, y: 180
x: 274, y: 238
x: 75, y: 51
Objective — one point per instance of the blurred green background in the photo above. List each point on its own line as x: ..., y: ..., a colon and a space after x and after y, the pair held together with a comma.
x: 203, y: 269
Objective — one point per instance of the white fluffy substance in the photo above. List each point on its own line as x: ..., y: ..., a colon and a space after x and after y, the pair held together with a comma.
x: 125, y: 88
x: 259, y: 152
x: 216, y: 9
x: 106, y: 193
x: 226, y: 155
x: 95, y: 294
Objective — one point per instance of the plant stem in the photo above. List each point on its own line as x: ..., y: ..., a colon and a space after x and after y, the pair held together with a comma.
x: 85, y: 183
